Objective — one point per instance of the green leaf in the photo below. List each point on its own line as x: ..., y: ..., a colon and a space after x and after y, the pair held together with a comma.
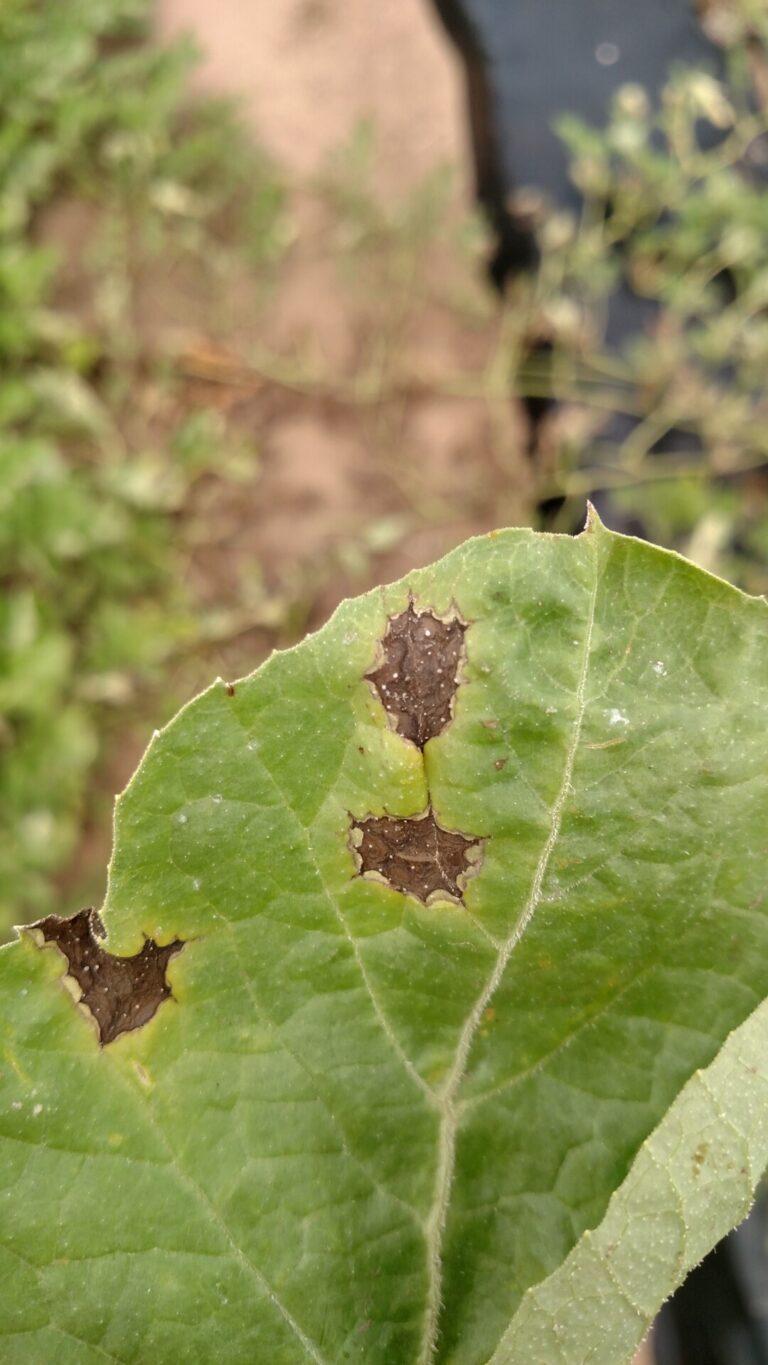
x: 691, y: 1181
x: 427, y: 1004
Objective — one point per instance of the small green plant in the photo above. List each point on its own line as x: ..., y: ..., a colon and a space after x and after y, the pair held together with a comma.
x: 91, y: 499
x: 425, y: 1017
x: 684, y: 229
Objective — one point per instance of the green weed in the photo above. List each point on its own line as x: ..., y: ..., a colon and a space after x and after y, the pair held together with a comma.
x: 93, y: 603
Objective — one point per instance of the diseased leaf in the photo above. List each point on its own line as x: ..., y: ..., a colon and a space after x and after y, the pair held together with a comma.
x: 373, y: 1113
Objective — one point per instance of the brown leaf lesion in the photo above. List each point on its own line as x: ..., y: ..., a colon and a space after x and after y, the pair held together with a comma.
x: 418, y: 676
x: 416, y: 680
x: 120, y: 993
x: 416, y: 856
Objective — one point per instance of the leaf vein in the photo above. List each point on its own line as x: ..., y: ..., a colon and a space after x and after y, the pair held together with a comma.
x: 240, y: 1255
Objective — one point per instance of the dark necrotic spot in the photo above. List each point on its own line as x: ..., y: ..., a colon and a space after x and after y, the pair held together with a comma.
x: 417, y: 679
x: 121, y: 993
x: 417, y: 857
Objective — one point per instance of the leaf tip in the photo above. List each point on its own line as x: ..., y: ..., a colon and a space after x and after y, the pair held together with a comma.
x: 593, y: 523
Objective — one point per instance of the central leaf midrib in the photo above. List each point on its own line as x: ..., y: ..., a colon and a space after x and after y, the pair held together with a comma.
x: 449, y: 1113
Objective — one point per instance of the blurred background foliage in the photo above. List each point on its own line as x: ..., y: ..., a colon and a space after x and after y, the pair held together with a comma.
x: 96, y: 463
x: 191, y: 473
x: 685, y: 231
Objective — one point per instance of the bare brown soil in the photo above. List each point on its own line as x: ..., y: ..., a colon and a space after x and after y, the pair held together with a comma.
x: 308, y: 70
x: 360, y: 478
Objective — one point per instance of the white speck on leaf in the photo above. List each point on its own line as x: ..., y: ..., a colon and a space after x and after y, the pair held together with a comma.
x: 660, y: 668
x: 616, y: 717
